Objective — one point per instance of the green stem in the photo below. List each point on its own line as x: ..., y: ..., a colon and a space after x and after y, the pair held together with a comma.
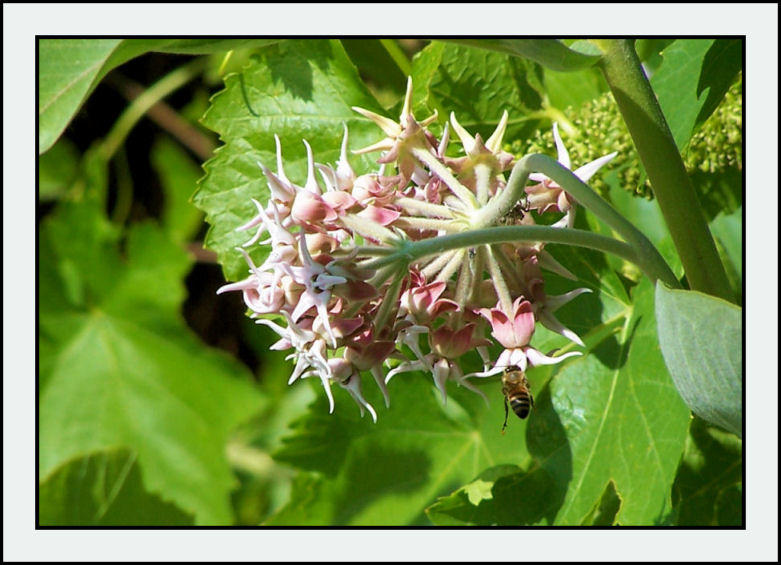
x: 666, y: 172
x: 389, y: 302
x: 411, y: 251
x: 397, y: 55
x: 646, y: 254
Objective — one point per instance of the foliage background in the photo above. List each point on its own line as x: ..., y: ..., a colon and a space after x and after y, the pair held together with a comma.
x: 118, y: 457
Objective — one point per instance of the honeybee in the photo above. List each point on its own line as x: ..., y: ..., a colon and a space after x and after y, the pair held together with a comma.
x: 516, y: 213
x: 515, y: 388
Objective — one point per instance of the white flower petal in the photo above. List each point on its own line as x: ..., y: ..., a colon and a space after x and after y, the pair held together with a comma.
x: 466, y: 138
x: 494, y: 142
x: 377, y: 374
x: 550, y: 322
x: 553, y: 303
x: 563, y: 154
x: 587, y: 171
x: 537, y: 358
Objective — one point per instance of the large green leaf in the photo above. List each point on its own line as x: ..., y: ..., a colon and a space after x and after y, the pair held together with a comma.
x: 692, y: 80
x: 477, y: 86
x: 611, y: 418
x: 118, y: 367
x: 702, y: 341
x: 70, y: 69
x: 296, y: 90
x: 361, y: 473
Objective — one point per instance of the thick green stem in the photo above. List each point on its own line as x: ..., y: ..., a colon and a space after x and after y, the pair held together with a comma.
x: 666, y: 171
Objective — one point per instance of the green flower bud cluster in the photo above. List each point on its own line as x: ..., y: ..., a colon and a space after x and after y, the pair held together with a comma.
x: 717, y: 145
x: 599, y: 130
x: 714, y: 148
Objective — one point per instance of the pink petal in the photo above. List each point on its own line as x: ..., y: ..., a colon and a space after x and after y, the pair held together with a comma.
x: 382, y: 216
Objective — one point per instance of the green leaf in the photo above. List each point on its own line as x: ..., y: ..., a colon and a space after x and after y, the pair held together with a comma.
x: 722, y: 64
x: 463, y: 507
x: 361, y: 473
x: 676, y: 85
x: 550, y: 53
x: 296, y: 90
x: 610, y: 418
x: 70, y: 69
x: 179, y: 176
x: 57, y: 170
x: 477, y: 86
x: 573, y: 89
x: 727, y: 230
x: 104, y: 489
x: 708, y: 488
x: 649, y: 51
x: 701, y: 339
x: 119, y: 368
x: 604, y: 513
x: 692, y: 80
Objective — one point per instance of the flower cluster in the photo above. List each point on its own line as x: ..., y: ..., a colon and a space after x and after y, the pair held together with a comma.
x: 345, y: 313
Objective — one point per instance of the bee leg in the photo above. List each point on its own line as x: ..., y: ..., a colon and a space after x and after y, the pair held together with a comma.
x: 506, y: 413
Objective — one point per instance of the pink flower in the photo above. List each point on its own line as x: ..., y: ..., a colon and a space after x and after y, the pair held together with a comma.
x: 452, y: 344
x: 513, y: 329
x: 548, y: 195
x: 422, y: 301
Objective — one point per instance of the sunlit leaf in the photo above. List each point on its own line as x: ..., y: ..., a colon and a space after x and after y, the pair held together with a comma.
x: 613, y: 417
x: 573, y: 89
x: 692, y: 80
x: 296, y: 90
x: 70, y: 69
x: 477, y: 86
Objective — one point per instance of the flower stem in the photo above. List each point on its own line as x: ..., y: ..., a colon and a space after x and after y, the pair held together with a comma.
x: 389, y: 302
x: 662, y: 161
x: 411, y: 251
x: 646, y: 255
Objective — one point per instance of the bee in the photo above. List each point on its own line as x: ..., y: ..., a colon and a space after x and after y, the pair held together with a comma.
x: 515, y: 388
x: 516, y: 213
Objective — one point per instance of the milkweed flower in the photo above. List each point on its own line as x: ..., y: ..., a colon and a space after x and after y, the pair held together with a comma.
x: 547, y: 195
x: 343, y: 321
